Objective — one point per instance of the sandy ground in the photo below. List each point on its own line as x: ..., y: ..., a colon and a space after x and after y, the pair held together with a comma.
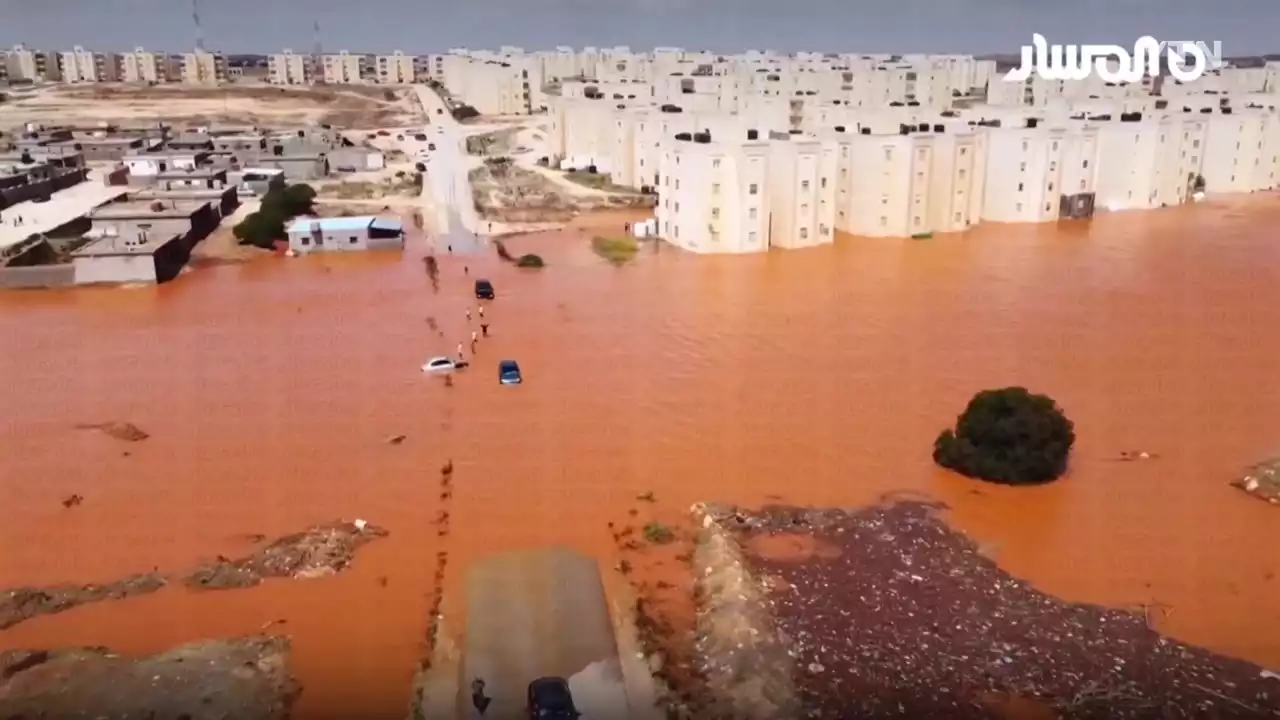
x: 353, y: 106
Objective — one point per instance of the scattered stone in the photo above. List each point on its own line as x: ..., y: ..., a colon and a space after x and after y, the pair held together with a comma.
x: 317, y: 552
x: 118, y: 430
x: 245, y: 679
x: 396, y: 439
x: 72, y: 501
x: 888, y: 612
x: 24, y: 603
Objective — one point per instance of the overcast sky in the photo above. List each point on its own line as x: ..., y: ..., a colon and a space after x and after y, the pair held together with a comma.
x: 423, y: 26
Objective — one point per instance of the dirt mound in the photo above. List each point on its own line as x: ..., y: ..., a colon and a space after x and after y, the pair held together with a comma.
x: 27, y: 602
x: 889, y: 612
x: 1262, y: 481
x: 118, y: 430
x: 317, y: 552
x: 245, y: 678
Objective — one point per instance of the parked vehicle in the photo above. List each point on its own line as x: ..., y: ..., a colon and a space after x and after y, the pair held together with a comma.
x: 509, y: 373
x: 430, y: 145
x: 484, y: 290
x: 550, y: 699
x: 420, y: 137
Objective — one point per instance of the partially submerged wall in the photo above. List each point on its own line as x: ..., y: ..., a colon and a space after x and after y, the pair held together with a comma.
x: 744, y: 660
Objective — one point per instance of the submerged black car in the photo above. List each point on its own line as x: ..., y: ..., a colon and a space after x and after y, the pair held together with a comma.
x: 549, y: 699
x: 484, y: 290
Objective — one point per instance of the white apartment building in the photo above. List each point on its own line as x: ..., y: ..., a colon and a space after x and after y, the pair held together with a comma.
x: 289, y: 68
x: 79, y: 66
x: 203, y: 68
x: 21, y: 63
x: 494, y: 84
x: 141, y: 66
x: 341, y: 68
x: 396, y: 69
x: 1031, y: 169
x: 715, y: 196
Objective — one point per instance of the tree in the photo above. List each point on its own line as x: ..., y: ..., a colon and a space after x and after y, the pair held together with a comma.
x: 530, y: 261
x: 1009, y: 436
x: 260, y: 229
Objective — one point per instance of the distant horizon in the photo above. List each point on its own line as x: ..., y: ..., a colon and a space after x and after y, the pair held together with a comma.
x: 904, y: 27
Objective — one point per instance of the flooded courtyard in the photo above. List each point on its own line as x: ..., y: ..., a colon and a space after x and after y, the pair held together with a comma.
x: 812, y: 377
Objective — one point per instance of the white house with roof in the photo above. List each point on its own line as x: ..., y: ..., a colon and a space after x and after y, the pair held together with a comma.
x: 368, y: 232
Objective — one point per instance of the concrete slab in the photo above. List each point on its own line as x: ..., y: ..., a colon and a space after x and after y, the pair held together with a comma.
x: 538, y: 613
x: 63, y: 207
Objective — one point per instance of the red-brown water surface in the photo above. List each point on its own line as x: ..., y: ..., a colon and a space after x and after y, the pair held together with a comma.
x: 820, y: 376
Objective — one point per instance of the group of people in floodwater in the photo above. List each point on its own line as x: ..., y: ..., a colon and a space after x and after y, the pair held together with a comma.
x: 475, y: 338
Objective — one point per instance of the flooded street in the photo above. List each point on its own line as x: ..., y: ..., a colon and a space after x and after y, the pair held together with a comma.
x: 819, y: 376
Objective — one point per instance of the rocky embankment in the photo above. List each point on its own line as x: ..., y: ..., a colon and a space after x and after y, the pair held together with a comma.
x: 244, y: 679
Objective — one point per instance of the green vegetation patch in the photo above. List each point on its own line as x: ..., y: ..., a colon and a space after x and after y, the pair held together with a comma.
x: 617, y: 249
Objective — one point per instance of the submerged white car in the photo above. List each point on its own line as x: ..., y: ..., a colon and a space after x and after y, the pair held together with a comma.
x: 440, y: 365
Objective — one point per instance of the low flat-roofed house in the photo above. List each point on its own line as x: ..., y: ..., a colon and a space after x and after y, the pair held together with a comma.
x: 200, y: 177
x: 201, y: 142
x: 157, y: 218
x: 345, y: 234
x: 297, y: 168
x: 256, y: 181
x: 224, y: 200
x: 141, y: 258
x: 152, y: 164
x: 103, y: 149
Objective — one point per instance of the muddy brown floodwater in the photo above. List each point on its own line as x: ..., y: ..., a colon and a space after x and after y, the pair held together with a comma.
x: 818, y: 376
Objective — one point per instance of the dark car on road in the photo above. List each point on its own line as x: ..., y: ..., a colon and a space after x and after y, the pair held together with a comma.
x: 484, y: 290
x: 549, y: 699
x: 509, y: 373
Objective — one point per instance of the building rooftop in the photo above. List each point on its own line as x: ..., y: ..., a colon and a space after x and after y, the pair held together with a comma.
x: 143, y: 209
x: 304, y: 224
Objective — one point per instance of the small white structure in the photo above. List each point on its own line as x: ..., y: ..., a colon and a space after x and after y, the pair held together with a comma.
x: 368, y: 232
x: 645, y: 228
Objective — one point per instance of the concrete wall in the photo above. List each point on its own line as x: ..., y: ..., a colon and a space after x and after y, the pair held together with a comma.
x: 344, y: 241
x: 37, y: 276
x: 22, y: 193
x: 115, y: 269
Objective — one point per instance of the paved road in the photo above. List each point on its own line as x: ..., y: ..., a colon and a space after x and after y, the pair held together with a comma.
x: 536, y: 613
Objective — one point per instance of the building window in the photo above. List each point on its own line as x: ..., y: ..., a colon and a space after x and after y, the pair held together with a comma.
x: 824, y: 230
x: 804, y: 233
x: 957, y: 217
x: 1055, y: 146
x: 715, y: 213
x: 1085, y: 164
x: 1018, y: 207
x: 715, y: 163
x: 715, y: 188
x: 1081, y: 184
x: 1048, y: 207
x: 677, y: 183
x: 1022, y: 167
x: 888, y: 153
x: 677, y: 231
x: 1019, y: 187
x: 883, y: 221
x: 751, y: 214
x: 753, y: 189
x: 822, y: 183
x: 804, y: 185
x: 1024, y: 146
x: 1053, y: 166
x: 1050, y: 187
x: 677, y: 206
x: 1195, y: 143
x: 804, y: 208
x: 354, y: 240
x: 305, y: 241
x: 964, y: 151
x: 752, y: 238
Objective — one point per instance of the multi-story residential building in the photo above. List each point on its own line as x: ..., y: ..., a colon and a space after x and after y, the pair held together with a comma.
x: 289, y: 68
x: 142, y: 66
x: 203, y: 68
x: 719, y: 198
x: 396, y: 69
x: 25, y: 64
x: 342, y: 68
x: 80, y: 66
